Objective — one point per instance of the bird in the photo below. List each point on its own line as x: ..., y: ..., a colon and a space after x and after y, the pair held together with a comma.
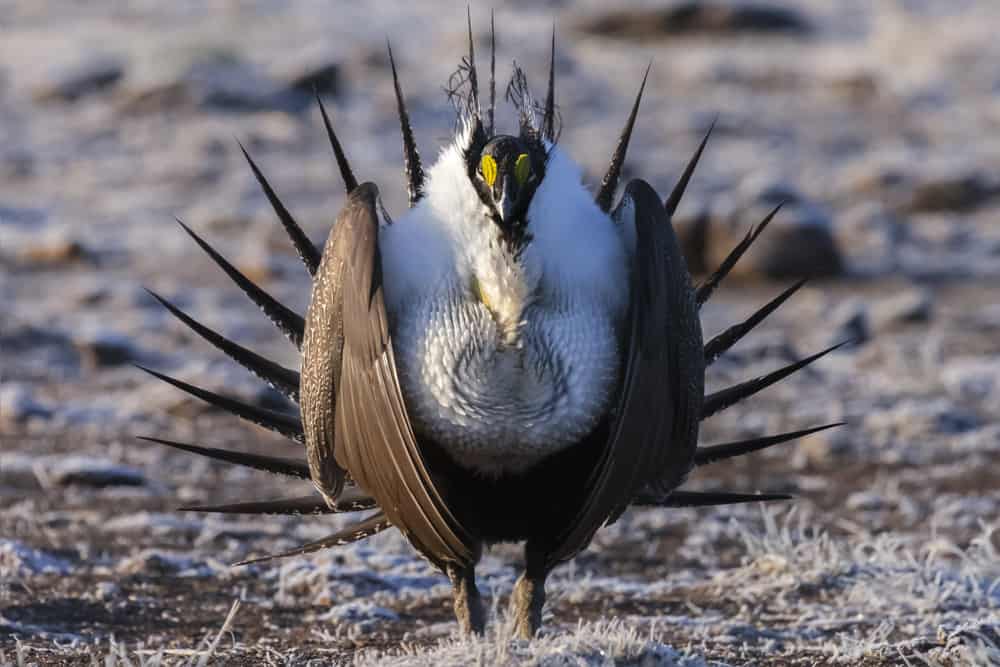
x: 515, y: 358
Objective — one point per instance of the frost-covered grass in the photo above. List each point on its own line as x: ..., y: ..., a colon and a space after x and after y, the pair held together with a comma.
x: 118, y: 654
x: 798, y: 594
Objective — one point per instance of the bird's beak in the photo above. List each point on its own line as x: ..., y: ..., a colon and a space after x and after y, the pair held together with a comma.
x: 508, y: 200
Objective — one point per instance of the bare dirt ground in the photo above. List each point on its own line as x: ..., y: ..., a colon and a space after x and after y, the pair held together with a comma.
x: 876, y: 120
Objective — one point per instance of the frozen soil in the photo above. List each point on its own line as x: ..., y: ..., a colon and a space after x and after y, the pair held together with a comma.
x: 878, y: 119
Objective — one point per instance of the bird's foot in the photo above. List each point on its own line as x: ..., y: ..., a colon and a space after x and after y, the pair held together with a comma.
x: 466, y: 600
x: 526, y: 604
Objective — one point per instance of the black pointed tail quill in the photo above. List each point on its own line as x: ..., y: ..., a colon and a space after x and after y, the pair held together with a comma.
x: 610, y: 182
x: 705, y: 499
x: 273, y: 464
x: 549, y: 118
x: 714, y: 453
x: 280, y: 378
x: 288, y: 321
x: 286, y: 424
x: 314, y: 504
x: 357, y: 531
x: 350, y: 182
x: 724, y: 398
x: 307, y: 251
x: 725, y: 340
x: 705, y: 290
x: 671, y: 202
x: 411, y: 158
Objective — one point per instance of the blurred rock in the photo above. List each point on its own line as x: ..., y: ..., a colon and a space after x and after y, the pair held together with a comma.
x: 107, y: 591
x: 699, y: 18
x: 870, y: 501
x: 16, y: 163
x: 80, y: 471
x: 224, y: 81
x: 53, y: 251
x: 823, y: 449
x: 19, y: 559
x: 320, y: 74
x: 913, y: 306
x: 103, y: 349
x: 18, y: 404
x: 28, y: 218
x: 851, y: 322
x: 86, y: 78
x: 975, y: 379
x: 30, y: 346
x: 859, y: 320
x: 925, y: 188
x: 692, y: 234
x: 955, y: 191
x: 153, y: 562
x: 798, y: 243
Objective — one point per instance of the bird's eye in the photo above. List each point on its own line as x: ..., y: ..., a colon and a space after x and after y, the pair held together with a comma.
x: 522, y: 168
x: 488, y: 168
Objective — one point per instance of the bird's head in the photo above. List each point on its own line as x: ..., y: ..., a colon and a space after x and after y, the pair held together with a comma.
x: 506, y: 172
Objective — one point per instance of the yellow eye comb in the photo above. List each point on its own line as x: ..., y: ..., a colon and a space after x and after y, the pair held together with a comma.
x: 489, y: 168
x: 522, y: 168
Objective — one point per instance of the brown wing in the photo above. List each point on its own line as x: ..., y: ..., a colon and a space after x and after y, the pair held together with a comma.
x: 365, y: 424
x: 322, y: 350
x: 653, y: 434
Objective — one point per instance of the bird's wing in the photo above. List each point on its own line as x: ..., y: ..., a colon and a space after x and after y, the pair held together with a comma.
x: 653, y: 432
x: 322, y: 351
x: 357, y: 419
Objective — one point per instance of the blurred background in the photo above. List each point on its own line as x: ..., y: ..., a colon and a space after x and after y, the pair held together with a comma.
x: 875, y: 121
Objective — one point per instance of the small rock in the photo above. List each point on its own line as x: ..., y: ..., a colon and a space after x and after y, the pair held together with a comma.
x: 54, y: 251
x: 80, y: 471
x: 798, y: 243
x: 699, y: 18
x: 952, y: 192
x: 87, y: 78
x: 26, y: 218
x: 159, y: 563
x: 915, y: 306
x: 107, y: 591
x: 156, y: 98
x: 224, y: 81
x: 867, y: 501
x: 973, y: 379
x: 823, y: 449
x: 692, y: 234
x: 220, y: 81
x: 851, y: 322
x: 18, y: 404
x: 105, y: 349
x: 18, y: 559
x: 319, y: 74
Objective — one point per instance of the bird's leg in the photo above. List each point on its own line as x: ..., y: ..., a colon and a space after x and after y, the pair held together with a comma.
x: 528, y: 598
x: 466, y: 600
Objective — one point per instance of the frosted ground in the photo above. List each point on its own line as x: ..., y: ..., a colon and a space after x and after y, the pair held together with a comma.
x: 878, y: 120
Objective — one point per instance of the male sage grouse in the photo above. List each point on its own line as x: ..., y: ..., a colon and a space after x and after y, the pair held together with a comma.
x: 513, y: 359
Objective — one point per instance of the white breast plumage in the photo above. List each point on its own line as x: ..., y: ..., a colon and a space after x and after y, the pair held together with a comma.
x: 496, y: 402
